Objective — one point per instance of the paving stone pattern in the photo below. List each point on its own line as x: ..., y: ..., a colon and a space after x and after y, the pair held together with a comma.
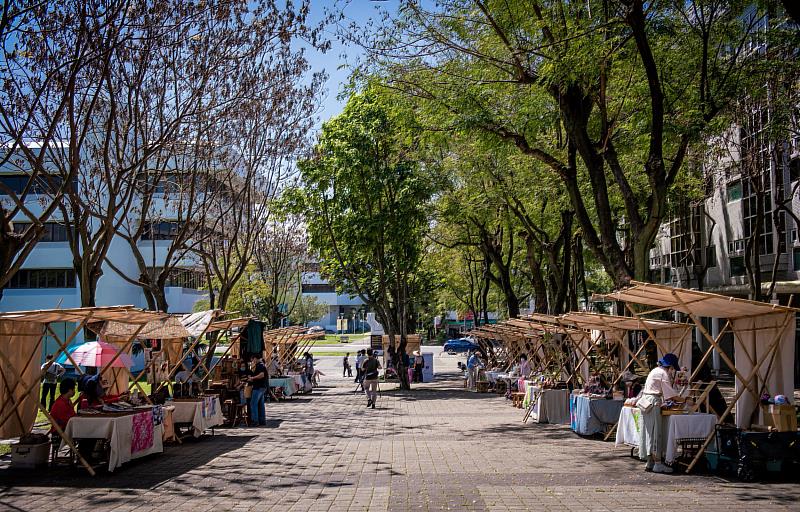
x: 438, y: 448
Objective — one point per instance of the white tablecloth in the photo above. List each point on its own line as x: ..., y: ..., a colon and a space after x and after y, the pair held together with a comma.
x: 551, y: 406
x: 202, y: 413
x: 119, y: 433
x: 677, y: 427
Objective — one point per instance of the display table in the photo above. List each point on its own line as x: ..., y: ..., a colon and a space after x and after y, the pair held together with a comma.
x: 288, y: 385
x: 299, y: 381
x: 203, y: 413
x: 129, y: 436
x: 590, y: 416
x: 676, y: 428
x: 550, y: 405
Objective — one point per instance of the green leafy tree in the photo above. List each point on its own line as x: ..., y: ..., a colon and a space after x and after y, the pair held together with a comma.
x: 364, y: 196
x: 606, y: 95
x: 308, y: 309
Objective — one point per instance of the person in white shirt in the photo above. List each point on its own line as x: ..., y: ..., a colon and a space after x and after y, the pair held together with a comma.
x: 50, y: 376
x: 657, y: 388
x: 359, y: 359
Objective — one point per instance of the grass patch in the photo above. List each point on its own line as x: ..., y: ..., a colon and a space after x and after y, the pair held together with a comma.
x: 330, y: 353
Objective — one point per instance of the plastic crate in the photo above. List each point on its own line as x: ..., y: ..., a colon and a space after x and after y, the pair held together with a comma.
x: 30, y: 456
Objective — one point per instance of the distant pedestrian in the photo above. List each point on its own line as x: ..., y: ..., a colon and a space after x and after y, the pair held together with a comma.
x: 359, y: 362
x: 419, y: 364
x: 347, y: 370
x: 309, y: 368
x: 50, y: 376
x: 370, y: 370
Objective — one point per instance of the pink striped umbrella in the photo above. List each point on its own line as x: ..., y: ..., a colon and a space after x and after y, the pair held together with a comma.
x: 99, y: 354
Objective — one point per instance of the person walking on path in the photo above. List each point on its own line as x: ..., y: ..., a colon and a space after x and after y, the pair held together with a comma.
x: 50, y: 376
x: 347, y: 370
x: 359, y: 362
x: 370, y: 370
x: 258, y: 380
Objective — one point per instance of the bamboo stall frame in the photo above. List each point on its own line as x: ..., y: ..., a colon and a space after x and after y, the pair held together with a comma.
x: 696, y: 304
x: 82, y: 316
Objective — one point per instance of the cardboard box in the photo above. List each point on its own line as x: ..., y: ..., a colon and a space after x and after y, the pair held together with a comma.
x: 782, y: 417
x: 29, y: 456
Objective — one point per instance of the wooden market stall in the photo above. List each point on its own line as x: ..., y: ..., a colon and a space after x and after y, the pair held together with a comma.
x: 763, y: 355
x: 22, y: 335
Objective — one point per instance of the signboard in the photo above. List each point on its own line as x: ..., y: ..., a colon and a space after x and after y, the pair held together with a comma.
x: 376, y: 342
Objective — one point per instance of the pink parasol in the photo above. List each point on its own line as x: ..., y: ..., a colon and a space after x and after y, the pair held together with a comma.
x: 99, y: 354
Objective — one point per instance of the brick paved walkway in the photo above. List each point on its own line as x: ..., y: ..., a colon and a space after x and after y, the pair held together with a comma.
x: 437, y: 449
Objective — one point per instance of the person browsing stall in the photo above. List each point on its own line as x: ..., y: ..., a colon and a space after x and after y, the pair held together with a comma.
x: 370, y: 369
x: 657, y: 388
x: 259, y: 382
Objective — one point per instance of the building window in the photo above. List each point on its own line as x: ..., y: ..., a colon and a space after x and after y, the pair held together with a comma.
x: 796, y: 258
x: 43, y: 278
x: 182, y: 278
x: 736, y: 246
x: 53, y: 231
x: 711, y: 256
x: 737, y: 266
x: 44, y: 184
x: 161, y: 230
x: 793, y: 234
x: 319, y: 288
x: 667, y: 275
x: 734, y: 191
x: 750, y: 215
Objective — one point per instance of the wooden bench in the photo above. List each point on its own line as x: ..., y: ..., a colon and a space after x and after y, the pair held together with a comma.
x: 517, y: 398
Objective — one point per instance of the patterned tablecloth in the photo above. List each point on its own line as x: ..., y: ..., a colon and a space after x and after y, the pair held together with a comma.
x: 203, y: 413
x: 591, y: 415
x: 678, y: 427
x: 551, y: 406
x: 130, y: 437
x: 288, y: 384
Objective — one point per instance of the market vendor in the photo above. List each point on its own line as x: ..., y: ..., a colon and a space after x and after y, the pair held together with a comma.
x: 524, y: 367
x: 94, y: 392
x: 63, y: 409
x: 657, y: 388
x: 242, y: 374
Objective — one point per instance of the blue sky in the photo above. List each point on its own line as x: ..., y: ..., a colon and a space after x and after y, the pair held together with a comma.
x: 338, y: 61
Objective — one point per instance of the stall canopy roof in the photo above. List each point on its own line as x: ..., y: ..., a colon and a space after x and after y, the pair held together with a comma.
x: 121, y: 314
x: 694, y: 301
x: 169, y: 327
x: 233, y: 323
x: 602, y: 322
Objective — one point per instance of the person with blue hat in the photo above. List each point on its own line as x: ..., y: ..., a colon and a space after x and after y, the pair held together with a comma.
x: 657, y: 388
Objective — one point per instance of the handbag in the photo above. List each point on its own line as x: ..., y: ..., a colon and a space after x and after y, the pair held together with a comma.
x: 646, y: 403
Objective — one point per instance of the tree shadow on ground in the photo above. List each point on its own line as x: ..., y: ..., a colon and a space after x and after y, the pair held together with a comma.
x: 144, y: 473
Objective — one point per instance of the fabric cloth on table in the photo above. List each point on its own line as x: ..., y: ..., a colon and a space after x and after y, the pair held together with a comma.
x: 118, y: 431
x: 168, y: 424
x: 686, y: 426
x: 590, y: 415
x: 142, y: 431
x: 674, y: 428
x: 286, y: 383
x: 200, y: 413
x: 552, y: 406
x: 628, y: 427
